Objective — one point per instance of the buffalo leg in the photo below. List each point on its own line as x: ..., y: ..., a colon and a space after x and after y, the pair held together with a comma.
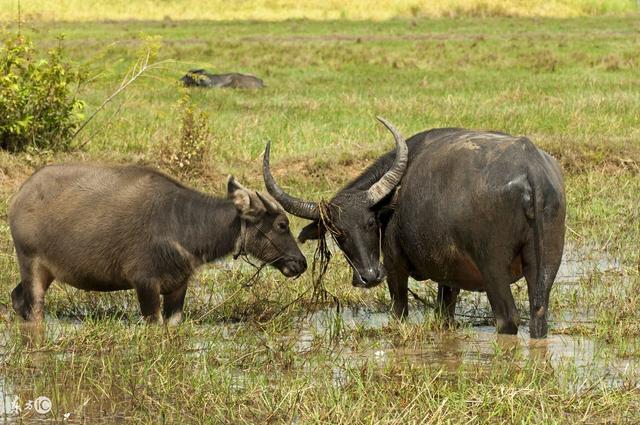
x: 539, y: 294
x: 149, y: 299
x: 172, y: 304
x: 447, y: 298
x: 21, y: 300
x: 501, y: 299
x: 27, y: 297
x: 397, y: 281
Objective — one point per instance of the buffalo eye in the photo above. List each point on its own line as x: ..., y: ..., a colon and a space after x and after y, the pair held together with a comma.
x: 283, y: 226
x: 371, y: 223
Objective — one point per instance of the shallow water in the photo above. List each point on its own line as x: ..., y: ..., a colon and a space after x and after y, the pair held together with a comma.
x: 579, y: 361
x: 590, y: 362
x: 582, y: 361
x: 579, y: 262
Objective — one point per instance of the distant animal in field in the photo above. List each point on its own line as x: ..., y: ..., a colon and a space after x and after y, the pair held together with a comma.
x: 470, y: 210
x: 202, y: 78
x: 111, y: 228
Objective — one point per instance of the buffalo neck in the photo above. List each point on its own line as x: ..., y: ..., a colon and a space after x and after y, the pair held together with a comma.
x: 372, y: 173
x: 375, y: 171
x: 206, y: 226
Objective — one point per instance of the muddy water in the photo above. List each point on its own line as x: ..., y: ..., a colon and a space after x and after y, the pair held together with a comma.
x: 581, y: 360
x: 578, y: 262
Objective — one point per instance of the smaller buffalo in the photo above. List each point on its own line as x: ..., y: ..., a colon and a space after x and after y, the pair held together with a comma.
x: 470, y: 210
x: 111, y: 228
x: 202, y: 78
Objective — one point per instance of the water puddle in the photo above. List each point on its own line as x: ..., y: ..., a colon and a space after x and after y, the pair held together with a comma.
x: 581, y: 359
x: 353, y: 337
x: 578, y: 262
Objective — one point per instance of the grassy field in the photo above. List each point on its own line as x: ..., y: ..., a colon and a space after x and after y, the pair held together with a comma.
x: 269, y: 352
x: 276, y: 10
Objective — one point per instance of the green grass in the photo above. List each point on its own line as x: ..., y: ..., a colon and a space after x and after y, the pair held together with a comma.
x: 248, y: 355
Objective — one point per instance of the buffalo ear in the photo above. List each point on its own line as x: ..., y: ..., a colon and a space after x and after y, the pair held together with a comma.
x: 269, y: 203
x: 311, y: 231
x: 249, y: 206
x: 389, y: 202
x: 387, y: 207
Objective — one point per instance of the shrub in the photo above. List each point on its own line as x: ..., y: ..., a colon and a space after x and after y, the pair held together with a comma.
x: 187, y: 157
x: 38, y: 107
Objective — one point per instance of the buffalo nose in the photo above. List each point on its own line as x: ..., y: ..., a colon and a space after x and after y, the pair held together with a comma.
x: 298, y: 265
x: 371, y: 275
x: 293, y: 266
x: 302, y: 263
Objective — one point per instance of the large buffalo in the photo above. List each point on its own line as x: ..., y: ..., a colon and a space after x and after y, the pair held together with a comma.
x: 470, y: 210
x: 110, y: 228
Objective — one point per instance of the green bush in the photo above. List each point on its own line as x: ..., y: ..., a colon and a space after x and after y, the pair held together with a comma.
x: 38, y: 107
x: 188, y: 155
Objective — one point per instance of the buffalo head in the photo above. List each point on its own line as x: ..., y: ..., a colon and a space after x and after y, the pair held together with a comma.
x: 351, y: 217
x: 266, y: 233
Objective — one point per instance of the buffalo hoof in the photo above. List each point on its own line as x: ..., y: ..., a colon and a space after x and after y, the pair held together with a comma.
x: 538, y: 328
x: 506, y: 327
x: 174, y: 320
x: 20, y: 306
x: 153, y: 319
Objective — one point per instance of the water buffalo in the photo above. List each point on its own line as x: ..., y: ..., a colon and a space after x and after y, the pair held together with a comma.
x: 110, y: 228
x: 468, y: 209
x: 234, y: 80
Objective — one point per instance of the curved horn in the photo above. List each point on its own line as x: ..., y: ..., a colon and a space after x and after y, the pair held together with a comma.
x: 391, y: 178
x: 295, y: 206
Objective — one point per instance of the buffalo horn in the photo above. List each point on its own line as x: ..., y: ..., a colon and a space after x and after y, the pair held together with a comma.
x: 391, y: 178
x: 295, y: 206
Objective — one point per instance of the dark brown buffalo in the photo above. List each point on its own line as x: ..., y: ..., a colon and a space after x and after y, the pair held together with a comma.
x: 468, y: 209
x: 110, y: 228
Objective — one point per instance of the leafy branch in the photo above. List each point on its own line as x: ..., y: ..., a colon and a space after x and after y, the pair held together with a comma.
x: 142, y: 66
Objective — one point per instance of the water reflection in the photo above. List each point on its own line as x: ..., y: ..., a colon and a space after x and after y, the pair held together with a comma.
x: 578, y: 262
x: 580, y: 357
